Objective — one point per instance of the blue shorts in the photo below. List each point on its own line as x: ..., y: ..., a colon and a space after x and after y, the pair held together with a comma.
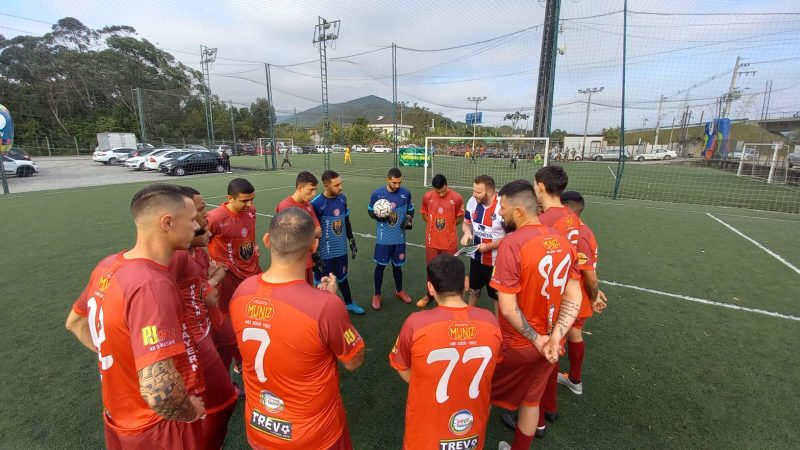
x: 336, y: 265
x: 384, y: 253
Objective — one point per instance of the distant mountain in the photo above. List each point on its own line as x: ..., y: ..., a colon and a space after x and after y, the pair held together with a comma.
x: 369, y: 107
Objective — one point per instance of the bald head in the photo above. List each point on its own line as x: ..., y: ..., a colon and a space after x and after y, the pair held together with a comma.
x: 291, y: 232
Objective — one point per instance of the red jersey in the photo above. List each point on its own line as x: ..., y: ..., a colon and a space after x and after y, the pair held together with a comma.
x: 136, y: 318
x: 289, y: 202
x: 442, y: 213
x: 187, y: 266
x: 233, y: 240
x: 290, y: 336
x: 534, y: 262
x: 452, y: 353
x: 587, y: 260
x: 564, y: 220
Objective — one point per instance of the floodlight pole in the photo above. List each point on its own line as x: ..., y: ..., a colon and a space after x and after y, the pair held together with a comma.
x: 325, y: 31
x: 475, y: 119
x: 207, y: 56
x: 589, y: 91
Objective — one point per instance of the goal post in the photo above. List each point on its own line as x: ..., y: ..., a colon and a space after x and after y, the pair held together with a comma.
x: 462, y: 158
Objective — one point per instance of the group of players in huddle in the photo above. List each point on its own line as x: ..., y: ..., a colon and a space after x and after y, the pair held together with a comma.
x: 169, y: 317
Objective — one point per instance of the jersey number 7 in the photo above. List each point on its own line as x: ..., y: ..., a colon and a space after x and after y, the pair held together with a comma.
x: 260, y: 335
x: 452, y: 357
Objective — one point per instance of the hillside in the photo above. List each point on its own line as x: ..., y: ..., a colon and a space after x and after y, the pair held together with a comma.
x: 740, y: 131
x: 369, y: 107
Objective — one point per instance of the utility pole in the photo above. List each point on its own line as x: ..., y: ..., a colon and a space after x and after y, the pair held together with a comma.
x: 208, y: 56
x: 644, y: 122
x: 325, y: 31
x: 233, y: 127
x: 733, y: 93
x: 402, y: 104
x: 658, y: 120
x: 140, y: 107
x: 475, y: 119
x: 543, y: 110
x: 270, y: 117
x: 670, y: 133
x: 588, y: 91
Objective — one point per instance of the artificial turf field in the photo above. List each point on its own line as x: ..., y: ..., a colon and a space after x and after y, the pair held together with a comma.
x: 696, y: 349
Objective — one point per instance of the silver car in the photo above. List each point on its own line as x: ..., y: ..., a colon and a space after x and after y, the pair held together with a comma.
x: 793, y: 159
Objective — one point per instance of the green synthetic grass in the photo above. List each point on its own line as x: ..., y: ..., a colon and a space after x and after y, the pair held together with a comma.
x: 660, y: 372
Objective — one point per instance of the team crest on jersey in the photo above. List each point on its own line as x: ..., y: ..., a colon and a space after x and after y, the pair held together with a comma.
x: 392, y: 219
x: 440, y: 210
x: 551, y: 243
x: 244, y: 232
x: 104, y: 282
x: 337, y: 226
x: 246, y: 250
x: 260, y: 308
x: 461, y: 422
x: 569, y: 222
x: 272, y: 402
x: 336, y: 212
x: 440, y: 223
x: 462, y: 330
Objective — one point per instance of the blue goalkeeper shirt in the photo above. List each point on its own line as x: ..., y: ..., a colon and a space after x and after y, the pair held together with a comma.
x: 331, y: 213
x: 393, y: 230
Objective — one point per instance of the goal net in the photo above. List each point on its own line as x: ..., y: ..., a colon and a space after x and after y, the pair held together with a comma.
x: 461, y: 159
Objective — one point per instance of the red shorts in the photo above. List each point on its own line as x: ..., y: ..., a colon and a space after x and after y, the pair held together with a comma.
x: 431, y: 253
x: 344, y: 442
x: 520, y: 378
x: 226, y: 289
x: 220, y: 392
x: 579, y: 323
x: 165, y: 435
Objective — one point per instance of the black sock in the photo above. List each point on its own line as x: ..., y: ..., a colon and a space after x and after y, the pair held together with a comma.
x: 344, y: 288
x: 397, y: 271
x: 378, y: 278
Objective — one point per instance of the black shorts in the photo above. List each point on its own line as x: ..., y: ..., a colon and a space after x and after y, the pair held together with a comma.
x: 479, y: 276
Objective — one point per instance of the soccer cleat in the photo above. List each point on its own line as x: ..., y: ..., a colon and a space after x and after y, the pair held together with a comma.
x: 376, y: 302
x: 576, y: 388
x: 550, y: 416
x: 509, y: 421
x: 503, y: 445
x: 539, y: 433
x: 402, y: 295
x: 423, y: 302
x: 354, y: 308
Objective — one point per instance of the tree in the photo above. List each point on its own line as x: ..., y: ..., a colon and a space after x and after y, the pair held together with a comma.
x: 611, y: 135
x: 515, y: 117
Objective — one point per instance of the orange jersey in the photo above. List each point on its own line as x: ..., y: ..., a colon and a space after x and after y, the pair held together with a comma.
x: 233, y: 240
x: 452, y: 353
x: 563, y: 220
x: 587, y: 260
x: 190, y: 272
x: 442, y: 214
x: 289, y: 202
x: 290, y: 336
x: 136, y: 318
x: 534, y: 262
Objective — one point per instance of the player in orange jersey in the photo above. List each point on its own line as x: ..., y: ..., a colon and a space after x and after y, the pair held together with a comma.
x: 305, y: 190
x: 447, y: 355
x: 442, y: 209
x: 132, y: 315
x: 291, y: 335
x: 539, y: 298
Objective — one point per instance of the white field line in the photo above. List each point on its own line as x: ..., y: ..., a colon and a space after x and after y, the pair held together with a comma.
x: 612, y: 173
x: 662, y: 208
x: 754, y: 242
x: 703, y: 301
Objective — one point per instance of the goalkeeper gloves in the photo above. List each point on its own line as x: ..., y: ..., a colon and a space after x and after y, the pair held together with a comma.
x: 318, y: 266
x: 353, y: 247
x: 409, y: 225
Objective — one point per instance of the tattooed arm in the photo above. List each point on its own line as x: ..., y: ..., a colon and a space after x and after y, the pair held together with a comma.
x: 162, y: 388
x: 570, y: 305
x: 509, y: 308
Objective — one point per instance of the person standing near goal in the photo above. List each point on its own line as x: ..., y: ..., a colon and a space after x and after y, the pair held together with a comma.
x: 483, y: 226
x: 132, y: 316
x: 291, y: 335
x: 390, y: 233
x: 447, y: 355
x: 442, y: 209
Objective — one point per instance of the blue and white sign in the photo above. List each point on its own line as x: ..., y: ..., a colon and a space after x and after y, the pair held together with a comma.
x: 474, y: 118
x: 6, y: 129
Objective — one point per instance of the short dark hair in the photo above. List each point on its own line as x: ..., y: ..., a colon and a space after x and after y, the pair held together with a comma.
x: 485, y: 180
x: 446, y: 273
x: 573, y: 198
x: 439, y: 181
x: 554, y: 178
x: 329, y: 175
x: 394, y: 172
x: 156, y: 195
x: 291, y: 231
x: 520, y: 193
x: 190, y: 191
x: 305, y: 177
x: 240, y: 186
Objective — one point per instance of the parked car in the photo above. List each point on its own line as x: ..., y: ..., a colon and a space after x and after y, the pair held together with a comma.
x: 144, y: 146
x: 244, y: 149
x: 111, y: 157
x: 381, y: 149
x: 337, y: 148
x: 196, y: 148
x: 19, y: 167
x: 308, y: 149
x: 18, y: 153
x: 748, y: 153
x: 359, y: 148
x: 322, y: 149
x: 656, y: 155
x: 137, y: 161
x: 291, y: 149
x: 609, y: 155
x: 222, y: 148
x: 158, y: 157
x: 193, y: 162
x: 793, y: 159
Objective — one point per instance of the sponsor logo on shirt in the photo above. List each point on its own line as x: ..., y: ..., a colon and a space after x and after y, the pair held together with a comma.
x: 246, y: 250
x: 440, y: 223
x: 440, y: 210
x: 260, y: 309
x: 582, y: 258
x: 336, y: 212
x: 272, y: 402
x: 280, y: 429
x: 350, y: 336
x: 461, y: 422
x: 467, y: 443
x: 551, y: 243
x: 462, y: 330
x: 149, y: 335
x: 103, y: 282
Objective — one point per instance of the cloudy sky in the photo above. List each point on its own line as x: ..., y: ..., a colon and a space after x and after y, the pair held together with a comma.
x: 449, y: 50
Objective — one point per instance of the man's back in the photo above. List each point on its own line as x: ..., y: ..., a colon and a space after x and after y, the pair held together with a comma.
x: 452, y: 353
x: 290, y: 336
x: 563, y: 220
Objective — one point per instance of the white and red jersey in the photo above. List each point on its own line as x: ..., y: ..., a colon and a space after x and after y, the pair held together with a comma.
x: 487, y: 227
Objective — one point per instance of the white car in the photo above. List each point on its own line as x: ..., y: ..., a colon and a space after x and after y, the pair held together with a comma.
x: 294, y: 149
x: 157, y: 158
x: 137, y: 162
x: 381, y: 149
x: 322, y: 149
x: 19, y: 167
x: 656, y: 155
x: 337, y: 148
x: 359, y: 148
x: 111, y: 157
x: 748, y: 153
x: 221, y: 148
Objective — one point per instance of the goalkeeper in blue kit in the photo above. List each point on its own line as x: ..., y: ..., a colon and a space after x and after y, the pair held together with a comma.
x: 334, y: 218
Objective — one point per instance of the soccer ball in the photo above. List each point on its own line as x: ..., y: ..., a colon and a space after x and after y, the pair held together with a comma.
x: 382, y: 208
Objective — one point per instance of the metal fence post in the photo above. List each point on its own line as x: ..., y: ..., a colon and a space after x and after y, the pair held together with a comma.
x: 77, y: 152
x: 47, y: 141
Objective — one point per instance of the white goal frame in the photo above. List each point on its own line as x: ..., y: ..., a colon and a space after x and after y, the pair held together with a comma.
x: 430, y: 139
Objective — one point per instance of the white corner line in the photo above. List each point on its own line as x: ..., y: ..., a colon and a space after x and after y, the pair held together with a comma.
x: 754, y: 242
x: 612, y: 172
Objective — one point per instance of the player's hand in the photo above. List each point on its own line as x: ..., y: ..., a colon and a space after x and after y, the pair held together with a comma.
x: 600, y: 303
x: 353, y: 247
x: 199, y: 408
x: 540, y: 342
x: 466, y: 239
x: 328, y: 284
x: 552, y: 350
x: 482, y: 248
x: 211, y: 298
x: 317, y: 261
x: 409, y: 224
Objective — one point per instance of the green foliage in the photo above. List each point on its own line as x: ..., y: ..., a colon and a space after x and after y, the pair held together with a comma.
x: 611, y: 135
